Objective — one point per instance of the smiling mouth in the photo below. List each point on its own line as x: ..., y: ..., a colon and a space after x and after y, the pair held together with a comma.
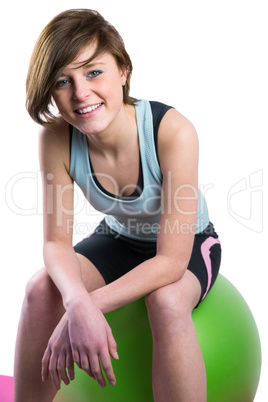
x: 88, y: 109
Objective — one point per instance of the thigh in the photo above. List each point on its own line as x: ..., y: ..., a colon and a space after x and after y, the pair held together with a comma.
x: 91, y: 276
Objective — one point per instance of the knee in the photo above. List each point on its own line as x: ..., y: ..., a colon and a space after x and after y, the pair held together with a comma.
x: 40, y: 290
x: 167, y: 311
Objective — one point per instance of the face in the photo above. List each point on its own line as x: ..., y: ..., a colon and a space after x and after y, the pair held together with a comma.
x: 90, y: 97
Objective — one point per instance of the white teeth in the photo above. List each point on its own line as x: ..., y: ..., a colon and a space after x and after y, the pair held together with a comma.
x: 89, y: 109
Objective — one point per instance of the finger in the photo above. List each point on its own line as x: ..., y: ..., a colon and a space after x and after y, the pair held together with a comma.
x: 61, y: 369
x: 112, y: 345
x: 70, y: 366
x: 107, y: 367
x: 85, y: 364
x: 54, y: 372
x: 45, y: 364
x: 76, y: 357
x: 82, y: 363
x: 96, y: 370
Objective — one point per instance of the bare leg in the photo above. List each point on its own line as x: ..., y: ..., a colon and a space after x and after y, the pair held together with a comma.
x: 178, y: 367
x: 42, y: 310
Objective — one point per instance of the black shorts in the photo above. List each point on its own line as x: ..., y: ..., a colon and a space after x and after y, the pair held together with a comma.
x: 114, y: 255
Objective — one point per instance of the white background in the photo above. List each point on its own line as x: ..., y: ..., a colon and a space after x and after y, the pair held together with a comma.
x: 208, y: 59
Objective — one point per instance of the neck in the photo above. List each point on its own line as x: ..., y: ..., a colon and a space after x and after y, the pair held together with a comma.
x: 118, y: 136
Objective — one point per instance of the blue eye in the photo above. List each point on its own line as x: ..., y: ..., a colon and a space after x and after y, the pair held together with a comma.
x: 94, y: 73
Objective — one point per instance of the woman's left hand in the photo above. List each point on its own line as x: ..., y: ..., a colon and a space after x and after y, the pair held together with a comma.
x: 58, y: 356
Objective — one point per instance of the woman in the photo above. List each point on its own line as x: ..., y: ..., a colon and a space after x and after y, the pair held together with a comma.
x: 137, y: 162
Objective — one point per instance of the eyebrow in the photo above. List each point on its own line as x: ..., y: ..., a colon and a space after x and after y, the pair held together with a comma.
x: 85, y: 66
x: 92, y: 64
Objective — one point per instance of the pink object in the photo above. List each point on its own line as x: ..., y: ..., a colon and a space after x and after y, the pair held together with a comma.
x: 205, y: 250
x: 6, y: 389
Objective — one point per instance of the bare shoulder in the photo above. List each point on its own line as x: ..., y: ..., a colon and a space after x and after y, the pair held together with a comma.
x: 56, y: 133
x: 175, y: 127
x: 176, y: 135
x: 54, y: 144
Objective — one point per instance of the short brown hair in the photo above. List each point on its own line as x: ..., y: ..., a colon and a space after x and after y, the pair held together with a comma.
x: 58, y: 45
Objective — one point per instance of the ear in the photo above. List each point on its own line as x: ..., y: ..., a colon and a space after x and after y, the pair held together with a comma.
x: 123, y: 72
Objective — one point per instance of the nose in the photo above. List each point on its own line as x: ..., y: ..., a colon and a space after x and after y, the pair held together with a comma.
x: 81, y: 90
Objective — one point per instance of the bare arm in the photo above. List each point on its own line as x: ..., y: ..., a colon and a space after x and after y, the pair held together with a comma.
x: 60, y: 259
x: 84, y: 328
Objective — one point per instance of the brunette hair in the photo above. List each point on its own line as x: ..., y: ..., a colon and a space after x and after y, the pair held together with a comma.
x: 58, y: 45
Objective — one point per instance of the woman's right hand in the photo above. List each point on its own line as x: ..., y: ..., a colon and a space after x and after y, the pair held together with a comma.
x: 82, y: 336
x: 91, y: 340
x: 58, y: 360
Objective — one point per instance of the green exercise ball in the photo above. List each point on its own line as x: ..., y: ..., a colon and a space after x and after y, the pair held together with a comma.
x: 228, y: 338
